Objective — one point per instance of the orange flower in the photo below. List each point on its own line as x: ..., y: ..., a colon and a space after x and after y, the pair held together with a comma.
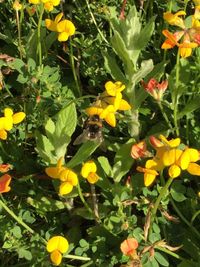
x: 4, y: 183
x: 189, y: 37
x: 139, y: 150
x: 129, y: 246
x: 5, y: 167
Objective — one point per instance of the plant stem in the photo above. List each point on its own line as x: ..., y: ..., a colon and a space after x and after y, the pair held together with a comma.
x: 164, y: 115
x: 83, y: 200
x: 39, y: 46
x: 192, y: 228
x: 15, y: 217
x: 160, y: 197
x: 78, y: 89
x: 95, y: 204
x: 94, y: 21
x: 19, y: 34
x: 175, y: 100
x: 68, y: 256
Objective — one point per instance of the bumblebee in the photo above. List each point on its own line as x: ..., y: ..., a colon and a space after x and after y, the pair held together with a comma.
x: 92, y: 130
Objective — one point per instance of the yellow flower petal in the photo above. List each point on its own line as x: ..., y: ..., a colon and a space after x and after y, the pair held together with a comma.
x: 59, y: 243
x: 171, y: 156
x: 18, y: 117
x: 56, y: 257
x: 63, y: 37
x: 66, y: 26
x: 113, y: 88
x: 174, y: 171
x: 8, y: 123
x: 184, y: 160
x: 8, y: 112
x: 149, y: 175
x: 124, y: 105
x: 67, y: 175
x: 92, y: 178
x: 65, y: 188
x: 194, y: 154
x: 53, y: 172
x: 48, y: 6
x: 3, y: 134
x: 194, y: 169
x: 93, y: 111
x: 149, y: 178
x: 35, y: 2
x: 110, y: 119
x: 88, y: 167
x: 51, y: 25
x: 173, y: 19
x: 58, y: 17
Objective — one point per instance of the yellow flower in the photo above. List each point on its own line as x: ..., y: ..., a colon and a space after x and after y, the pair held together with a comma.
x: 4, y: 183
x: 113, y: 88
x: 17, y: 6
x: 116, y: 101
x: 6, y: 122
x: 108, y: 114
x: 88, y: 171
x: 174, y: 19
x: 11, y: 118
x: 69, y: 179
x: 49, y: 4
x: 149, y: 175
x: 65, y: 28
x: 56, y: 246
x: 54, y: 172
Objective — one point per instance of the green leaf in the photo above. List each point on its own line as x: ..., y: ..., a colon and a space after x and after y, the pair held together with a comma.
x: 113, y: 68
x: 161, y: 259
x: 188, y: 263
x: 23, y: 253
x: 190, y: 107
x: 123, y: 161
x: 83, y: 153
x: 66, y: 122
x: 44, y: 205
x: 31, y: 65
x: 121, y: 50
x: 17, y: 232
x: 19, y: 65
x: 177, y: 191
x: 105, y: 165
x: 45, y: 148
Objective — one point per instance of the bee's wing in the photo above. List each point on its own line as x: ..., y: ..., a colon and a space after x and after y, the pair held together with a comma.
x: 82, y: 138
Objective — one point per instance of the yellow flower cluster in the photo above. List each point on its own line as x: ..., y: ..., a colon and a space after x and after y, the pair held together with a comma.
x: 48, y: 4
x: 189, y: 37
x: 6, y: 122
x: 169, y: 154
x: 67, y: 177
x: 109, y: 102
x: 65, y: 28
x: 89, y: 170
x: 56, y: 246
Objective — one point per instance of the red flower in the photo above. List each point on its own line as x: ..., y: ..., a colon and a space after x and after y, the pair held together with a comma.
x: 155, y: 89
